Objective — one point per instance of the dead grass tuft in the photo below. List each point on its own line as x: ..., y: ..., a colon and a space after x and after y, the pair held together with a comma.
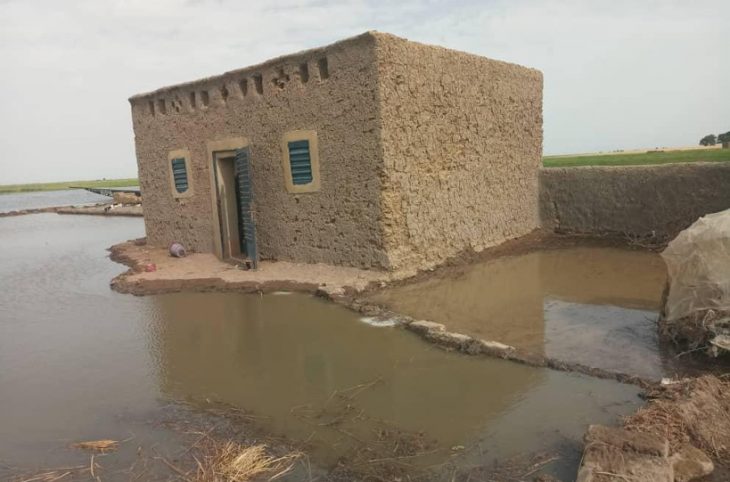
x: 232, y: 462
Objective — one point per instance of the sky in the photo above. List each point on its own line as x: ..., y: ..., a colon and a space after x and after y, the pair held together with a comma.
x: 618, y: 74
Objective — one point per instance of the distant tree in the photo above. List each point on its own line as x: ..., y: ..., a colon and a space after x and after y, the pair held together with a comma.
x: 723, y: 138
x: 708, y: 140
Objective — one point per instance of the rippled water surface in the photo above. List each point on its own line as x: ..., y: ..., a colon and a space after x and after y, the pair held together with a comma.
x: 79, y: 362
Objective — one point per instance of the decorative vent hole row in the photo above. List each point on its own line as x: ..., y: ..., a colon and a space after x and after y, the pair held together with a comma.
x: 246, y: 86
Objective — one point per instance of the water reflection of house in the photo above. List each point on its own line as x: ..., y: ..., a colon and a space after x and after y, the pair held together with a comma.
x: 271, y: 354
x: 373, y: 152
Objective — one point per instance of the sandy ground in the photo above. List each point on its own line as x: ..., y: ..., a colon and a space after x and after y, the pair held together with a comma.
x: 205, y: 272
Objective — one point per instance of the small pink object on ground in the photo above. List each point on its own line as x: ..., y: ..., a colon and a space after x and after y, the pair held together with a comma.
x: 151, y: 267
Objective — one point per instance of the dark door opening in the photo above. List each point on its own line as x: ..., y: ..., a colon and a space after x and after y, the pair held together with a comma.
x: 235, y: 205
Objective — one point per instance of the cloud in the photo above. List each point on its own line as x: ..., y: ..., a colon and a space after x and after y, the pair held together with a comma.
x: 617, y: 74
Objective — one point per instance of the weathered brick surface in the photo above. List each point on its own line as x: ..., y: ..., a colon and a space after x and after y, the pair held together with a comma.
x: 340, y: 223
x: 462, y: 141
x: 424, y: 152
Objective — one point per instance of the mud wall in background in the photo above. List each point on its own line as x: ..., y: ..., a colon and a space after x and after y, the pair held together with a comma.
x: 462, y: 143
x: 647, y: 201
x: 330, y: 90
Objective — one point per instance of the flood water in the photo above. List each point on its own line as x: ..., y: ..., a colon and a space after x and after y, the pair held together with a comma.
x: 80, y: 362
x: 590, y: 305
x: 46, y: 199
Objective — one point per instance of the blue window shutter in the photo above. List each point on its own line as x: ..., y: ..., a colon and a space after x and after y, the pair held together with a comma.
x: 245, y: 205
x: 300, y: 162
x: 180, y: 175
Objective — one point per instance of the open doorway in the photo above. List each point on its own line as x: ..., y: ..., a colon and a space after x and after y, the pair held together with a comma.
x: 234, y: 199
x: 227, y: 200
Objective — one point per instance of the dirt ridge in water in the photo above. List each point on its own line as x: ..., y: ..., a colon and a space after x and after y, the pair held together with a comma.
x: 437, y: 334
x: 23, y: 212
x: 95, y: 210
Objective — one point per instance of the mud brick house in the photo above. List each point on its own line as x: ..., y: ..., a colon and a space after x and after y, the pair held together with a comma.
x: 373, y: 152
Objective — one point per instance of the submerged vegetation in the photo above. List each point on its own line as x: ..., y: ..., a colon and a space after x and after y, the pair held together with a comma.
x: 57, y: 186
x: 638, y: 158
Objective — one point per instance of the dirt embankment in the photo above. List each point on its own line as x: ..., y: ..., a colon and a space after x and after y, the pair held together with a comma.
x: 694, y: 411
x: 438, y: 334
x: 682, y: 434
x: 104, y: 210
x: 97, y: 209
x: 22, y: 212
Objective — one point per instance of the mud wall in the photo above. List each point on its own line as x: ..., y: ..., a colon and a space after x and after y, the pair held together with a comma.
x: 462, y: 143
x: 332, y: 91
x: 648, y: 201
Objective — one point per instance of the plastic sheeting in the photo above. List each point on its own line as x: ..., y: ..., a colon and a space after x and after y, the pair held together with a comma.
x: 698, y: 264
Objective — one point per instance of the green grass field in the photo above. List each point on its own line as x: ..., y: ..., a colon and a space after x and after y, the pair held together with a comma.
x: 56, y: 186
x: 638, y: 158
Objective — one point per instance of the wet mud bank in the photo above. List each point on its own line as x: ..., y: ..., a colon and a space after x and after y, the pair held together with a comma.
x: 154, y: 271
x: 103, y: 210
x: 22, y: 212
x: 328, y: 280
x: 96, y: 210
x: 681, y: 434
x: 437, y: 334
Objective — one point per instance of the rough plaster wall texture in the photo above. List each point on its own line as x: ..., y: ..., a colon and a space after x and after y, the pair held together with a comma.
x: 339, y: 224
x: 462, y: 140
x: 168, y: 219
x: 638, y: 200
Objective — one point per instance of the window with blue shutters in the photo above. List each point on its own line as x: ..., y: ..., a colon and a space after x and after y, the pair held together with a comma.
x: 180, y: 174
x: 180, y: 182
x: 300, y: 162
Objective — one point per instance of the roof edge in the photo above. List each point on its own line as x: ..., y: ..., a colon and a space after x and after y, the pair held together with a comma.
x: 368, y: 35
x: 384, y: 36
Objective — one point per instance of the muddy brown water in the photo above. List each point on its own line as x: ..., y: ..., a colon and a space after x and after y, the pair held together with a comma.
x: 592, y: 305
x: 80, y: 362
